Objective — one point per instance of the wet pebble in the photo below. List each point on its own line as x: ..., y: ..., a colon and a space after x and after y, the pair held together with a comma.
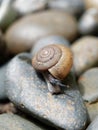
x: 47, y: 41
x: 85, y: 51
x: 91, y: 3
x: 75, y: 7
x: 92, y: 110
x: 22, y: 35
x: 88, y: 85
x: 24, y: 7
x: 93, y: 125
x: 15, y: 122
x: 7, y: 14
x: 28, y: 90
x: 88, y: 23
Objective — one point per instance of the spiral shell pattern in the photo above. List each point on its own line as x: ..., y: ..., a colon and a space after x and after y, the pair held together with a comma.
x: 55, y: 58
x: 47, y: 57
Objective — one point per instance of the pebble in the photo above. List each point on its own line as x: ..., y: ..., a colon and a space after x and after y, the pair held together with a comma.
x: 91, y: 3
x: 47, y: 41
x: 15, y: 122
x: 75, y: 7
x: 22, y: 35
x: 91, y: 24
x: 92, y: 110
x: 7, y: 14
x: 0, y: 2
x: 2, y: 82
x: 28, y: 90
x: 24, y: 7
x: 85, y: 51
x: 93, y: 125
x: 88, y: 85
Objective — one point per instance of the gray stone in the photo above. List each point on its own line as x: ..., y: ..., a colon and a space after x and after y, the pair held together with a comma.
x: 93, y: 125
x: 24, y: 7
x: 75, y: 7
x: 88, y: 85
x: 2, y: 82
x: 27, y: 89
x: 92, y: 110
x: 0, y: 2
x: 22, y: 35
x: 85, y: 51
x: 14, y: 122
x: 7, y: 14
x: 47, y: 41
x: 88, y: 23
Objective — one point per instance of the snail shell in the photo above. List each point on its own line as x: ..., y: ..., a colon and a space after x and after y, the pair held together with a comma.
x: 57, y: 59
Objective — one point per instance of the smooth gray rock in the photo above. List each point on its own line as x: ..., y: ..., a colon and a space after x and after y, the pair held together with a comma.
x: 2, y: 82
x: 0, y: 2
x: 93, y: 125
x: 24, y: 7
x: 88, y: 85
x: 28, y: 90
x: 14, y: 122
x: 75, y: 7
x: 85, y: 54
x: 88, y: 23
x: 54, y: 39
x: 23, y: 34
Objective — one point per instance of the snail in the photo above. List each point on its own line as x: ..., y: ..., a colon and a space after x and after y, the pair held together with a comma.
x: 54, y: 62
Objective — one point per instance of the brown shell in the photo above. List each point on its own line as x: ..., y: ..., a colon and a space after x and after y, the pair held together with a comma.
x: 57, y: 59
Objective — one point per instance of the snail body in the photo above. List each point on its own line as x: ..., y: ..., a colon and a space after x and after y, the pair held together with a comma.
x: 54, y: 58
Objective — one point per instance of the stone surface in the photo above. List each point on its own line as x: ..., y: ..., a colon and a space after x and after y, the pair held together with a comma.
x: 93, y: 125
x: 47, y: 41
x: 75, y: 7
x: 7, y: 14
x: 91, y: 3
x: 24, y: 7
x: 88, y: 85
x: 0, y: 2
x: 91, y: 24
x: 25, y: 32
x: 27, y: 89
x: 85, y: 51
x: 14, y: 122
x: 2, y: 82
x: 92, y: 110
